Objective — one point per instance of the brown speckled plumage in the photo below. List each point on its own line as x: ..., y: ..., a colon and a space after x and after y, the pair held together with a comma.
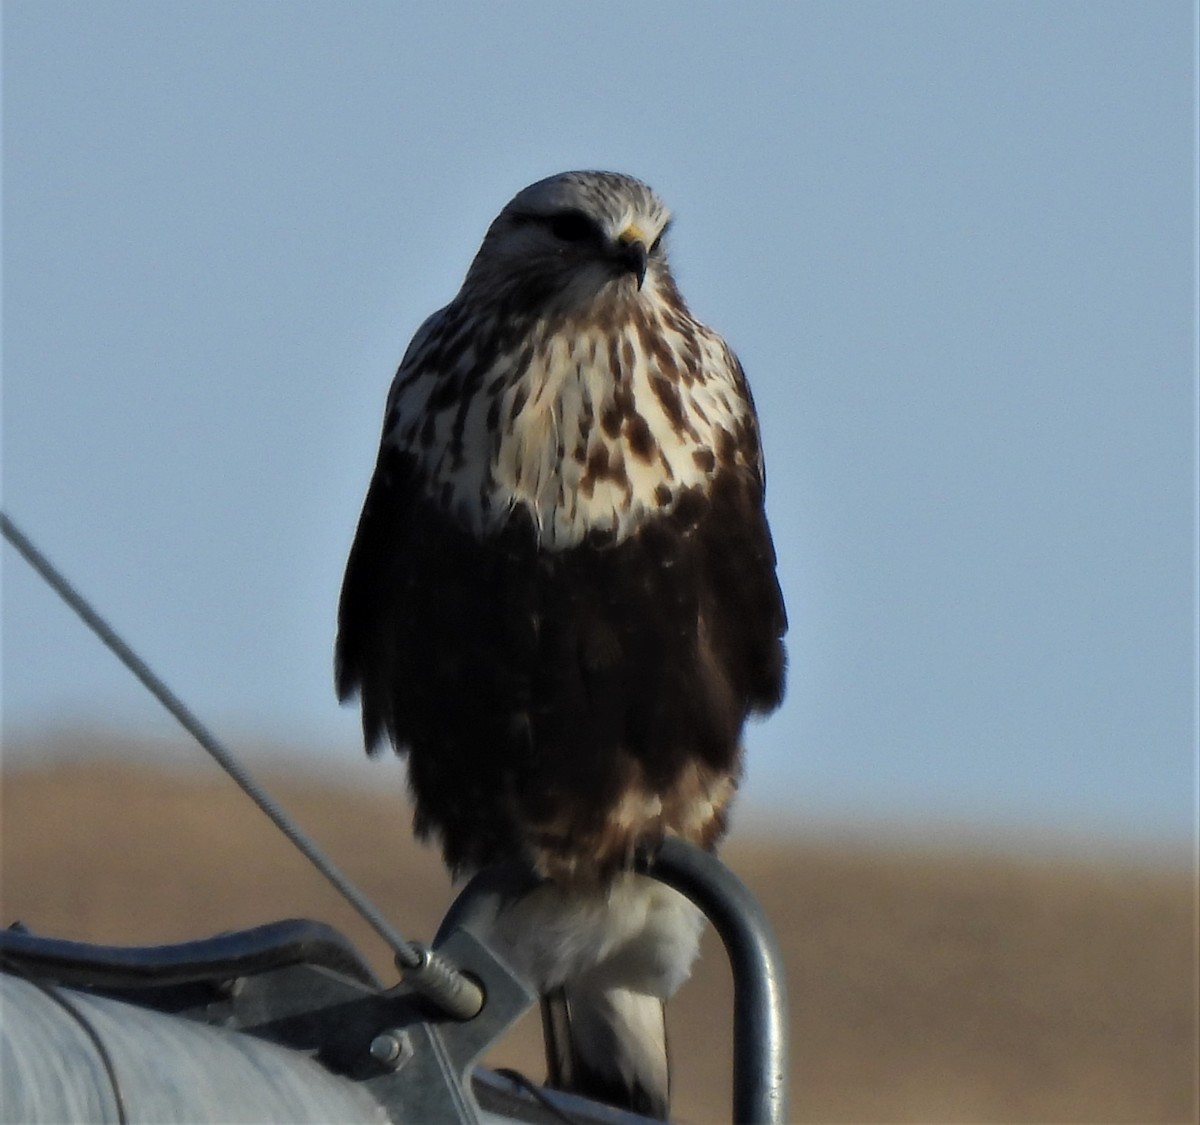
x: 561, y: 601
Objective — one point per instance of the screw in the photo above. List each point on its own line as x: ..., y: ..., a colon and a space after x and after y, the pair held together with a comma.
x: 392, y: 1048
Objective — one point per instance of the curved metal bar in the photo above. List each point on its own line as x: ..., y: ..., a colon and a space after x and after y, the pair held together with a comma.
x: 484, y: 895
x: 221, y: 957
x: 760, y: 1059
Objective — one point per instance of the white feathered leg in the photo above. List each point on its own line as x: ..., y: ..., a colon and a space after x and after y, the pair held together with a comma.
x: 609, y: 1045
x: 606, y: 962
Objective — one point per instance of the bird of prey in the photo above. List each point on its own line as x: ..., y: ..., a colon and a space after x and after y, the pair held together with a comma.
x: 561, y: 603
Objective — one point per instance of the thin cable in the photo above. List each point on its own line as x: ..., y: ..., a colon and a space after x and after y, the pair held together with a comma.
x: 537, y: 1093
x: 106, y: 1060
x: 423, y: 968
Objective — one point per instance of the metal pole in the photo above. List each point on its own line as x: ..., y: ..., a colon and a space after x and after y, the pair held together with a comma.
x: 760, y: 1055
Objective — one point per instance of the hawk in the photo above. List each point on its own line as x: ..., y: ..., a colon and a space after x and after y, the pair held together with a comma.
x: 561, y: 603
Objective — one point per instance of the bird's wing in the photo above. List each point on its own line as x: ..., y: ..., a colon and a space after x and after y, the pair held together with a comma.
x: 369, y: 654
x: 371, y: 599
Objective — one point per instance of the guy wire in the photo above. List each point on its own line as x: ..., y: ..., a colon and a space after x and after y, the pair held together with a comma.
x: 424, y: 969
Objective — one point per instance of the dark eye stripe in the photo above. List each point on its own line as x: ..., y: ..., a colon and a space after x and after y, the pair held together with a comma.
x: 572, y: 226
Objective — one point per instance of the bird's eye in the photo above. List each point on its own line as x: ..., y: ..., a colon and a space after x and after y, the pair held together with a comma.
x: 571, y: 226
x: 656, y: 244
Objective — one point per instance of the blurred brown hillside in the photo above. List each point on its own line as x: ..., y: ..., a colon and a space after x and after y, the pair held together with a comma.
x: 926, y: 986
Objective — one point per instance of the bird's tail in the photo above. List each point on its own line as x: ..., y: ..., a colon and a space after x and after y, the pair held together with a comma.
x: 608, y: 1044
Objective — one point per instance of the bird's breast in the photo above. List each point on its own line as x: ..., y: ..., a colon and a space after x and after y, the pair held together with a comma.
x: 586, y: 433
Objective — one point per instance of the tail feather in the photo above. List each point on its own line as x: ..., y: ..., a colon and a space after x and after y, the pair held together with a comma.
x: 608, y: 1044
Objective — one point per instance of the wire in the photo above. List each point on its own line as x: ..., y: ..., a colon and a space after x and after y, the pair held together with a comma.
x: 102, y: 1051
x: 424, y: 969
x: 537, y: 1093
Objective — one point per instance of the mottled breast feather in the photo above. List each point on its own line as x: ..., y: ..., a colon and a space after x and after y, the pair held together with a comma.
x: 561, y: 601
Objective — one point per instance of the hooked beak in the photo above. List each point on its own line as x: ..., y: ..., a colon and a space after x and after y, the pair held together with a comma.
x: 632, y: 255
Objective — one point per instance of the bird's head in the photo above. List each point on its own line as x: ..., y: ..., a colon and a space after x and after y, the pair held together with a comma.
x: 572, y: 240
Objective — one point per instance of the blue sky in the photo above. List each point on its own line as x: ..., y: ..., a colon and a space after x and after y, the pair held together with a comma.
x: 952, y: 243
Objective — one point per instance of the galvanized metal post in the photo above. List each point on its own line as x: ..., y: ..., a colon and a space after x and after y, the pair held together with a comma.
x: 760, y: 1056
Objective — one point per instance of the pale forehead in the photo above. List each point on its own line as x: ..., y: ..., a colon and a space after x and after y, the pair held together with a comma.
x: 606, y: 196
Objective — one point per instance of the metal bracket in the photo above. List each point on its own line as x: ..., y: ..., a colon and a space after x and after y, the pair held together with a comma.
x: 351, y: 1029
x: 329, y: 1007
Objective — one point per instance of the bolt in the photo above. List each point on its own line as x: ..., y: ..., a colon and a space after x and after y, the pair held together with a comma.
x: 392, y: 1048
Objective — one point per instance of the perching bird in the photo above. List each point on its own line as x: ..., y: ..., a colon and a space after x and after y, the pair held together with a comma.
x: 561, y: 603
